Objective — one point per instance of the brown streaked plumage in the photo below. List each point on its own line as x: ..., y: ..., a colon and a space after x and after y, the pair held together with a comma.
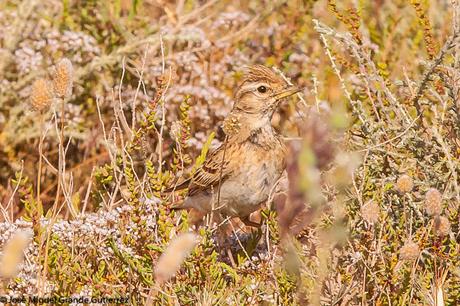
x: 251, y: 159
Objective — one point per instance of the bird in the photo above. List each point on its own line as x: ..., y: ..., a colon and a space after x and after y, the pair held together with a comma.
x: 236, y: 178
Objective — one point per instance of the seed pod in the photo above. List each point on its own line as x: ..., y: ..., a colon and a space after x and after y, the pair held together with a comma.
x: 41, y: 95
x: 171, y: 260
x: 433, y: 200
x: 409, y: 251
x: 441, y: 226
x: 404, y: 183
x: 370, y: 212
x: 13, y: 254
x: 62, y: 78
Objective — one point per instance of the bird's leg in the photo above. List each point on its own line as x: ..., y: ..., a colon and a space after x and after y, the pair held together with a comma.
x: 230, y: 257
x: 224, y: 230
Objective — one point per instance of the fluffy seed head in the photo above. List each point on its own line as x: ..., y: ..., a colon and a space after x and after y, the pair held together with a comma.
x: 345, y: 165
x: 370, y: 212
x: 404, y: 183
x: 441, y: 226
x: 62, y: 78
x: 433, y: 200
x: 41, y: 95
x: 171, y: 260
x: 13, y: 254
x: 409, y: 251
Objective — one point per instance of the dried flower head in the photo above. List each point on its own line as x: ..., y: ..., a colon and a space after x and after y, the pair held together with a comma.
x: 175, y: 130
x: 433, y: 200
x: 409, y: 251
x: 41, y: 95
x: 174, y: 256
x: 62, y: 78
x: 441, y: 226
x: 370, y: 212
x: 345, y: 165
x: 232, y: 124
x: 317, y: 135
x: 404, y: 183
x: 13, y: 254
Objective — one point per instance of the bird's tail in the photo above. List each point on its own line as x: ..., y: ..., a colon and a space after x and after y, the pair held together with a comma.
x: 182, y: 204
x: 195, y: 217
x: 179, y: 205
x: 177, y: 187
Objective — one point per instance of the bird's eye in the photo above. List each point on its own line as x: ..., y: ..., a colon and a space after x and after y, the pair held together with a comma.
x: 262, y: 89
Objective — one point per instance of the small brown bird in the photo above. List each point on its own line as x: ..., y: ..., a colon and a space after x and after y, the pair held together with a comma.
x: 236, y: 178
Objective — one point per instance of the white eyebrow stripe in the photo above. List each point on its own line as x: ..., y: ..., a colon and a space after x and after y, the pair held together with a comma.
x: 256, y: 85
x: 251, y: 87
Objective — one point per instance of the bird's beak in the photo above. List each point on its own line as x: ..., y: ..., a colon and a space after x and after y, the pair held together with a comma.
x: 287, y: 92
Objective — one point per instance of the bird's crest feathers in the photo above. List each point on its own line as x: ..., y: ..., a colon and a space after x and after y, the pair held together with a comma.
x: 256, y: 73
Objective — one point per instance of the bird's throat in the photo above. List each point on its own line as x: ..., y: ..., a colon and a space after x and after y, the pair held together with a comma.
x: 264, y: 136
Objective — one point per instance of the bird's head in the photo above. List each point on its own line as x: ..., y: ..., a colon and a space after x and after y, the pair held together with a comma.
x: 261, y: 91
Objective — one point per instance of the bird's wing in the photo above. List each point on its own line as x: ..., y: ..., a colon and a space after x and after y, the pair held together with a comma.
x: 214, y: 168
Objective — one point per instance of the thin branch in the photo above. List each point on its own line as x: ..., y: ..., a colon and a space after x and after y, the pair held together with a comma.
x: 449, y: 44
